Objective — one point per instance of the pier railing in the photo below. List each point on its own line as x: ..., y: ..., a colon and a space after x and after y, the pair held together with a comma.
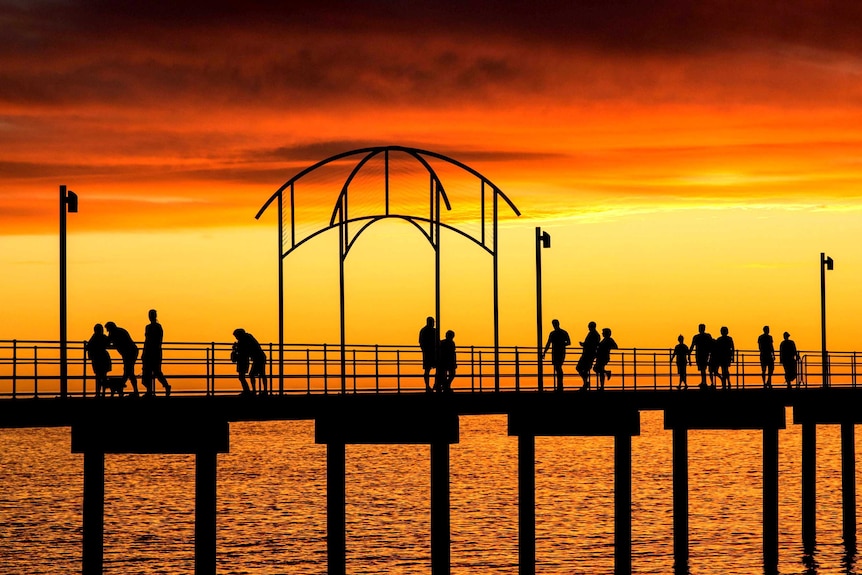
x: 30, y: 368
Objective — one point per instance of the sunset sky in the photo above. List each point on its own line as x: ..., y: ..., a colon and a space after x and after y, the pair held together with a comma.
x: 690, y: 159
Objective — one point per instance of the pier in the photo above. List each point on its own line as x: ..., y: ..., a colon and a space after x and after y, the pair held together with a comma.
x: 381, y: 401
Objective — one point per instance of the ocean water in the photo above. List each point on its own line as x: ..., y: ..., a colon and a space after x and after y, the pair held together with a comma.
x: 272, y: 504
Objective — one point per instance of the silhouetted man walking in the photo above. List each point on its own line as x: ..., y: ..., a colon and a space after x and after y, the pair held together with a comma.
x: 151, y: 359
x: 701, y: 347
x: 767, y: 356
x: 558, y: 340
x: 789, y: 358
x: 588, y: 355
x: 120, y: 340
x: 723, y: 348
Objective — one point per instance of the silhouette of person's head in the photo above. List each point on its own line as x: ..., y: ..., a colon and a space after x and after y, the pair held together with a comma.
x: 429, y: 321
x: 591, y: 325
x: 606, y: 331
x: 766, y: 329
x: 152, y: 315
x: 724, y: 331
x: 680, y: 339
x: 110, y: 326
x: 701, y: 327
x: 98, y: 329
x: 450, y: 334
x: 238, y: 332
x: 786, y: 335
x: 555, y: 323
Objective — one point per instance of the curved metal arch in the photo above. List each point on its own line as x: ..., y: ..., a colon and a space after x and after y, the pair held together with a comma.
x: 373, y: 151
x: 413, y: 220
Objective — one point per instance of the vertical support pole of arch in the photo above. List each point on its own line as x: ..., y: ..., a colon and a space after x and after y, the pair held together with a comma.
x: 496, y: 300
x: 435, y: 190
x: 281, y: 286
x: 342, y: 239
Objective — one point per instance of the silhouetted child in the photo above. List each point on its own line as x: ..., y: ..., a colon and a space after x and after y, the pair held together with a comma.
x: 603, y: 356
x: 681, y: 353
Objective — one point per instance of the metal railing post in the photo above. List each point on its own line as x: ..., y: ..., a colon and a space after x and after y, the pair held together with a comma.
x: 308, y: 371
x: 398, y: 369
x: 325, y: 372
x: 634, y: 369
x: 84, y: 369
x: 376, y: 369
x: 517, y: 370
x: 14, y: 368
x: 35, y: 372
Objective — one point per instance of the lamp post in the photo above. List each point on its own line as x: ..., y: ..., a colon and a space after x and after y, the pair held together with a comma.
x: 826, y: 263
x: 543, y: 240
x: 68, y: 201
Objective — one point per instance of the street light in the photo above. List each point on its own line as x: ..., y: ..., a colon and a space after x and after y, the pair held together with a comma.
x: 543, y: 240
x: 68, y: 201
x: 826, y: 263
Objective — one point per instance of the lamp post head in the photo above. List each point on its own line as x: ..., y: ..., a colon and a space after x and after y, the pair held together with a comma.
x: 71, y: 201
x: 828, y: 263
x: 545, y: 239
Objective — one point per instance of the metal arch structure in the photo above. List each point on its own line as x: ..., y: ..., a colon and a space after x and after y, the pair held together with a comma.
x: 430, y: 226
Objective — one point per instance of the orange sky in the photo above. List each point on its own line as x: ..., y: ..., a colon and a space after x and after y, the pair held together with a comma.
x: 691, y: 162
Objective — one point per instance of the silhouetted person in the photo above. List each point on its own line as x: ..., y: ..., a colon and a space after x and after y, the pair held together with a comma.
x: 120, y: 340
x: 603, y: 356
x: 701, y: 347
x: 789, y: 358
x: 588, y: 355
x: 558, y: 340
x: 681, y: 353
x: 724, y: 351
x: 428, y: 345
x: 447, y: 363
x: 100, y: 359
x: 151, y: 359
x: 247, y: 351
x: 767, y: 356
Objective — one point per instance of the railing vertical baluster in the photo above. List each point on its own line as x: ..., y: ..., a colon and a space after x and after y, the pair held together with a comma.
x: 398, y: 369
x: 634, y: 369
x: 325, y: 372
x: 267, y: 389
x: 376, y: 369
x: 354, y: 370
x: 84, y: 369
x: 853, y: 371
x: 480, y: 370
x: 743, y: 371
x: 472, y: 369
x: 654, y: 372
x: 14, y: 368
x: 517, y: 370
x: 208, y: 374
x: 35, y: 372
x: 212, y: 369
x: 308, y: 371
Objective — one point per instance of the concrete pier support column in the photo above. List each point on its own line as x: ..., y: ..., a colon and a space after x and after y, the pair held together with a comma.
x: 770, y: 500
x: 680, y: 500
x: 440, y: 519
x: 622, y: 504
x: 809, y: 486
x: 205, y: 513
x: 336, y: 536
x: 94, y: 512
x: 526, y: 504
x: 848, y: 482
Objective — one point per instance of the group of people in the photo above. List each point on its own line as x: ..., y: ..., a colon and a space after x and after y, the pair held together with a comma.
x: 119, y: 339
x: 595, y: 355
x: 714, y: 357
x: 250, y: 359
x: 439, y: 355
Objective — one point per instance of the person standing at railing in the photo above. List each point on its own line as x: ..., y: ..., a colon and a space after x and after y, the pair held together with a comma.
x: 100, y: 359
x: 789, y: 358
x: 447, y: 363
x: 724, y: 350
x: 428, y: 345
x: 588, y: 355
x: 681, y: 353
x: 247, y: 351
x: 558, y: 340
x: 120, y: 340
x: 767, y: 357
x: 701, y: 347
x: 151, y: 359
x: 603, y: 357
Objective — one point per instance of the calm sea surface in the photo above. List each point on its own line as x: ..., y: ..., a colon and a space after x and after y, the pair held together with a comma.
x: 272, y: 505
